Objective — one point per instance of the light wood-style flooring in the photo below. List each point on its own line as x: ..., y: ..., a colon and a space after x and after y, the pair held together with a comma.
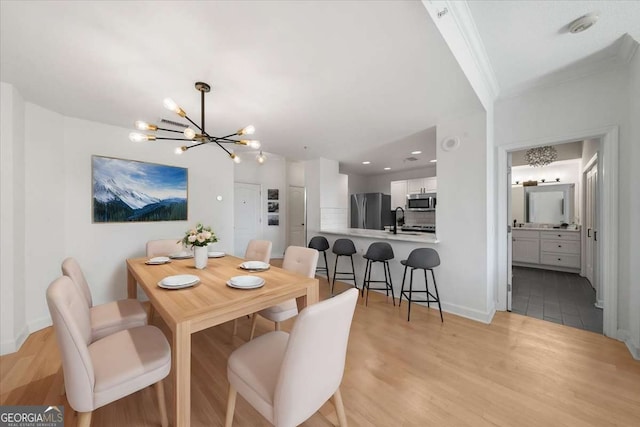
x: 517, y: 371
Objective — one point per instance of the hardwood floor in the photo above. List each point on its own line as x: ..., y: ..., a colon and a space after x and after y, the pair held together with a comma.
x: 517, y: 371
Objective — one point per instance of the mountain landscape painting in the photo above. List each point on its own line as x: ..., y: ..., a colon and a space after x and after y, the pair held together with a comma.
x: 132, y: 191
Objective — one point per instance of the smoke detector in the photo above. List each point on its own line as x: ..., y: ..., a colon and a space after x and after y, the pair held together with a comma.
x: 583, y: 23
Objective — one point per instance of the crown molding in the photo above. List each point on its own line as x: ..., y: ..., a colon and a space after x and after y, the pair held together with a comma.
x: 456, y: 25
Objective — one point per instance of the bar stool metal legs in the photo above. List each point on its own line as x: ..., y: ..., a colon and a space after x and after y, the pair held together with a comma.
x: 387, y: 280
x: 351, y: 274
x: 421, y: 259
x: 429, y: 296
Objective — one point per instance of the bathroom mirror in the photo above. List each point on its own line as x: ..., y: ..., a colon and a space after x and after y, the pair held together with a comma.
x: 549, y: 204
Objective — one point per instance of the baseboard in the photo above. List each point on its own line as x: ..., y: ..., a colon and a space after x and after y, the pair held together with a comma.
x: 625, y: 337
x: 11, y: 346
x: 469, y: 313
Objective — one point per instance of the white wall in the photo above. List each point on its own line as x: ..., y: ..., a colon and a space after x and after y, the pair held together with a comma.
x: 577, y: 106
x: 57, y: 206
x: 462, y: 218
x: 295, y: 173
x: 13, y: 323
x: 271, y: 174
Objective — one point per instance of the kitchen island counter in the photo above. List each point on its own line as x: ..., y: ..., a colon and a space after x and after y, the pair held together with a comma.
x: 402, y: 236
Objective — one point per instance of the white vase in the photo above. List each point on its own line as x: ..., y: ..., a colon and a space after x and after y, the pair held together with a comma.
x: 200, y: 257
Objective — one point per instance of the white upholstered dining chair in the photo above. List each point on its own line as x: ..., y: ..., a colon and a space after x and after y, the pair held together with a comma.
x: 288, y: 377
x: 164, y: 247
x: 97, y: 373
x: 257, y: 250
x: 108, y: 318
x: 298, y: 260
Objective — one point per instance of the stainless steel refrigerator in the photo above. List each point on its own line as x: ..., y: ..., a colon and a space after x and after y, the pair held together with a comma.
x: 371, y: 210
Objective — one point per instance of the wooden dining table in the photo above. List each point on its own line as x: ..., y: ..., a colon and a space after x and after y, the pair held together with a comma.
x: 209, y: 303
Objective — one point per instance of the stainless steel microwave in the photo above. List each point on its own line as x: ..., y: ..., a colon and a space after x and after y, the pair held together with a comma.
x: 422, y: 202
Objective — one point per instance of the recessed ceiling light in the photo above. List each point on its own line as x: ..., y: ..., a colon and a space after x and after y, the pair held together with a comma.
x: 583, y: 23
x: 416, y: 152
x: 366, y: 163
x: 387, y: 169
x: 434, y: 161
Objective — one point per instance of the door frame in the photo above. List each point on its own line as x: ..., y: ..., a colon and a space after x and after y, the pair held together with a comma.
x: 608, y: 208
x: 304, y: 213
x: 593, y: 162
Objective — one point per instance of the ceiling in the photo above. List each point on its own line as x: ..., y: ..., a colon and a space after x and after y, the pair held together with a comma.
x: 528, y: 42
x: 317, y: 79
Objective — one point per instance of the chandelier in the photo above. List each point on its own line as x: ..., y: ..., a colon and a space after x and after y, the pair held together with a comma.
x: 540, y: 156
x: 198, y: 137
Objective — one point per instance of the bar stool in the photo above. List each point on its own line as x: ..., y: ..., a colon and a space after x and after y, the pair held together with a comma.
x: 422, y: 259
x: 344, y: 247
x: 378, y: 252
x: 320, y: 244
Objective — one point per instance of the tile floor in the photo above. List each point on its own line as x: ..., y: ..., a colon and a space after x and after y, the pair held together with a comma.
x: 559, y: 297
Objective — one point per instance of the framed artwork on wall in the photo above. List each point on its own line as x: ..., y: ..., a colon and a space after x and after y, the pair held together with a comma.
x: 273, y: 207
x: 134, y: 191
x: 273, y: 194
x: 273, y: 220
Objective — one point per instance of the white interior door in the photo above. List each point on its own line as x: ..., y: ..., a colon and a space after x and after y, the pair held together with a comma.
x: 296, y: 217
x: 247, y: 216
x: 509, y: 236
x: 591, y: 223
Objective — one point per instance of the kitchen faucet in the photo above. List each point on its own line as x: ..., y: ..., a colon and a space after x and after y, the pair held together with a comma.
x: 395, y: 219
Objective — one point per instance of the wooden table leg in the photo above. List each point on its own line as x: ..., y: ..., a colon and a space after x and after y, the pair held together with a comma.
x: 132, y: 286
x: 182, y: 375
x: 312, y: 296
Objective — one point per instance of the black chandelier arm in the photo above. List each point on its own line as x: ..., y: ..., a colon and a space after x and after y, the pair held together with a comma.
x: 220, y: 145
x: 201, y: 129
x: 170, y: 130
x: 172, y: 139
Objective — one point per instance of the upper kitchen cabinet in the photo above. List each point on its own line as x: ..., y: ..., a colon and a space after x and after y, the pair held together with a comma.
x: 399, y: 194
x: 422, y: 185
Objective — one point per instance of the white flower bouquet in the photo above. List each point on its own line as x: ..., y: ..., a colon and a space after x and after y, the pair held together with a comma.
x: 199, y: 236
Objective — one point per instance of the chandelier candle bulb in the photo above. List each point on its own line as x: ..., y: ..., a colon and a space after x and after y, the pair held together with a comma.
x: 170, y: 105
x: 249, y: 130
x: 189, y: 133
x: 139, y: 137
x: 145, y: 126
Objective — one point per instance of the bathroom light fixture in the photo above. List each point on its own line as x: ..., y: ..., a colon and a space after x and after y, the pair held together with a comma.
x: 540, y: 156
x: 387, y: 169
x: 366, y: 163
x: 416, y: 152
x: 433, y: 161
x: 261, y: 158
x: 200, y: 136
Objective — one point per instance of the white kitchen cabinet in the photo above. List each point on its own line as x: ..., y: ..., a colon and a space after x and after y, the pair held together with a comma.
x: 422, y: 185
x: 415, y: 185
x: 548, y: 249
x: 399, y: 194
x: 431, y: 184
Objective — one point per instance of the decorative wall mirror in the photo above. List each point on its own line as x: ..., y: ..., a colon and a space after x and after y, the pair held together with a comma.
x: 549, y: 204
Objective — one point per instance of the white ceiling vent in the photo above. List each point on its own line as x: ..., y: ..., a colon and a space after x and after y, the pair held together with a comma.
x: 583, y: 23
x: 172, y: 123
